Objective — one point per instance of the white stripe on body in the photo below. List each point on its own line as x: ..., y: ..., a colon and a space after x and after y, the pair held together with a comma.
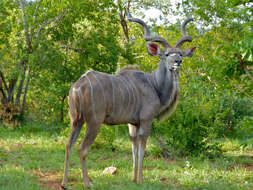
x: 122, y: 100
x: 100, y: 85
x: 92, y: 97
x: 126, y: 86
x: 134, y: 90
x: 113, y: 101
x: 133, y: 93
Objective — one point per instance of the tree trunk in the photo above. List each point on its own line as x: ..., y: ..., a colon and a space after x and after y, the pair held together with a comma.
x: 124, y: 26
x: 62, y: 108
x: 25, y: 92
x: 123, y: 19
x: 29, y: 51
x: 3, y: 95
x: 3, y: 79
x: 11, y: 88
x: 20, y: 88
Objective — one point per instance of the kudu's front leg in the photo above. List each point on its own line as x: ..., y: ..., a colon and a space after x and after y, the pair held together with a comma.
x: 134, y: 138
x: 142, y: 134
x: 138, y: 137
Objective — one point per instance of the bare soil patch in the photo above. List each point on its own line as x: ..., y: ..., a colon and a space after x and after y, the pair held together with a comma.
x: 49, y: 179
x: 248, y: 167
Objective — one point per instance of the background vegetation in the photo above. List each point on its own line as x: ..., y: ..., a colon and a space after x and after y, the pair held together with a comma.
x: 47, y: 45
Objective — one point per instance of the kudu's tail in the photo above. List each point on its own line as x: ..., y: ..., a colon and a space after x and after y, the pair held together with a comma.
x: 75, y: 108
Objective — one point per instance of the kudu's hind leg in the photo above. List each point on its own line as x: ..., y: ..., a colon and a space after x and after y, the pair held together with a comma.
x: 76, y: 127
x: 90, y: 136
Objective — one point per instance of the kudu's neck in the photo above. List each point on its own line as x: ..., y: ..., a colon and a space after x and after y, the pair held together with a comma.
x: 166, y: 81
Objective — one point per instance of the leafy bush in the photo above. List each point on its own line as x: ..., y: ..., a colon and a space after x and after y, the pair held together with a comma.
x: 201, y: 118
x: 10, y: 115
x: 244, y: 128
x: 204, y: 113
x: 189, y: 137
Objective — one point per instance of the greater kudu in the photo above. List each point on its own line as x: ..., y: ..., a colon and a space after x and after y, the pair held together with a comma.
x: 131, y: 96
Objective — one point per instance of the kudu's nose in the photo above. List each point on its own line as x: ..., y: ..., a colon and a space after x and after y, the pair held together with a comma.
x: 179, y: 62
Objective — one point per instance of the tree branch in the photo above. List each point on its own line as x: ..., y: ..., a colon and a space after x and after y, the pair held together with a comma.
x: 36, y: 10
x: 55, y: 19
x: 3, y: 79
x: 78, y: 50
x: 241, y: 90
x: 27, y: 36
x: 244, y: 66
x: 123, y: 19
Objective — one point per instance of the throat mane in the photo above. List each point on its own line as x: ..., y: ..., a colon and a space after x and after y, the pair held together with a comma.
x: 169, y: 97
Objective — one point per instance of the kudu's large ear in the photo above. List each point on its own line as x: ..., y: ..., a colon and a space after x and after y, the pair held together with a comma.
x: 188, y: 52
x: 153, y: 49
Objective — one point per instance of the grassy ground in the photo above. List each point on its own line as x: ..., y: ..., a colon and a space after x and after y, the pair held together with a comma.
x: 32, y: 159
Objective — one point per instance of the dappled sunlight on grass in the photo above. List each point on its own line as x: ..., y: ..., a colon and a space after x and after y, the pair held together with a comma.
x: 35, y: 161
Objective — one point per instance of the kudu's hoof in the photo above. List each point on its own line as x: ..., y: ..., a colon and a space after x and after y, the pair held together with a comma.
x: 63, y: 187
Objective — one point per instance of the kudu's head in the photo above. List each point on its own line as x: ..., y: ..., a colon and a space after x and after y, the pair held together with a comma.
x: 172, y: 55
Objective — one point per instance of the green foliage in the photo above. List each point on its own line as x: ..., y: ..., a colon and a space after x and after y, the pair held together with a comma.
x: 245, y: 48
x: 245, y: 127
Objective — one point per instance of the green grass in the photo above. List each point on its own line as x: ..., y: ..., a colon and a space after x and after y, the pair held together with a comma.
x: 33, y: 157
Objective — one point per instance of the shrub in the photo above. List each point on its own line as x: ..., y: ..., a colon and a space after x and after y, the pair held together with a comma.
x: 10, y: 115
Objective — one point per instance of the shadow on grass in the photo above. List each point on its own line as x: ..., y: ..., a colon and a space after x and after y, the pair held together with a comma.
x: 34, y: 160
